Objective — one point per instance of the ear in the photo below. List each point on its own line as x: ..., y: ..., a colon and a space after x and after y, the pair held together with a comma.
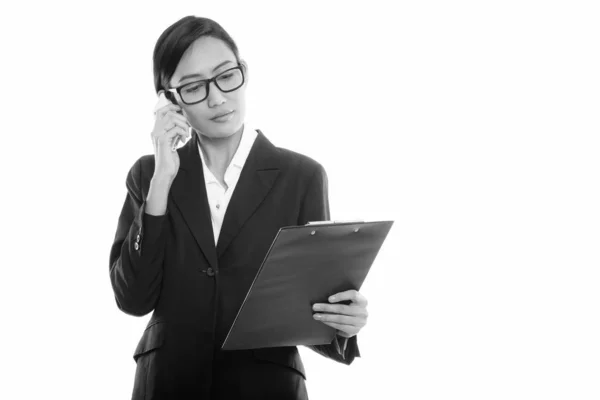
x: 245, y: 68
x: 173, y: 98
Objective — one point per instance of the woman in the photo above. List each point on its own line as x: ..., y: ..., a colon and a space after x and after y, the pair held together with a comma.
x: 197, y: 223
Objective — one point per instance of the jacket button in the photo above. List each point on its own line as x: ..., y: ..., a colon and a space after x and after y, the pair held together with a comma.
x: 136, y: 246
x: 210, y: 272
x: 137, y: 239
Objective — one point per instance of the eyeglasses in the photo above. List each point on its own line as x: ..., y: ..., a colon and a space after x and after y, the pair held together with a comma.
x: 197, y: 91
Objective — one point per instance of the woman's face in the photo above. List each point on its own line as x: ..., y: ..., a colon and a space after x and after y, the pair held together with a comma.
x: 204, y: 59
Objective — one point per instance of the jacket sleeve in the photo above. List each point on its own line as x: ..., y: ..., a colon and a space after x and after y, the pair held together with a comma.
x: 315, y: 207
x: 137, y: 252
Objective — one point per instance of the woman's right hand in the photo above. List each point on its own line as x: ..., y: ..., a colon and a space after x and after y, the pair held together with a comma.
x: 168, y: 127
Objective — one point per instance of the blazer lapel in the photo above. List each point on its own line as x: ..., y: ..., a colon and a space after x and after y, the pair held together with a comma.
x: 189, y: 194
x: 256, y: 180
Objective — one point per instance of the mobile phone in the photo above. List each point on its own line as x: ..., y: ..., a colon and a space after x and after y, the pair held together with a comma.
x: 163, y: 101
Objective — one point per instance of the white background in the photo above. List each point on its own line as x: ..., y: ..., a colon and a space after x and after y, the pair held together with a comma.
x: 472, y: 124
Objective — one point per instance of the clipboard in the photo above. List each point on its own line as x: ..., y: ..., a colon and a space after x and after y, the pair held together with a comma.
x: 304, y: 265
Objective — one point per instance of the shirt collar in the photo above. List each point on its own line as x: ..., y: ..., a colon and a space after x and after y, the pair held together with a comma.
x: 249, y: 135
x: 241, y: 155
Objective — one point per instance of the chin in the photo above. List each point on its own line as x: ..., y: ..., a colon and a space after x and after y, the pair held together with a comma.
x: 221, y: 132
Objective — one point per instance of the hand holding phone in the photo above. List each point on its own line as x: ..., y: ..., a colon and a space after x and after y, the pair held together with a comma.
x: 162, y: 102
x: 170, y: 127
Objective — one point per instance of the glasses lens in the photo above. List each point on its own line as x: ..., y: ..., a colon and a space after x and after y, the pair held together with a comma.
x: 227, y: 81
x: 230, y: 80
x: 193, y: 92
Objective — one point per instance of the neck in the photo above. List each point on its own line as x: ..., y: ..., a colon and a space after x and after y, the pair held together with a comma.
x: 218, y: 152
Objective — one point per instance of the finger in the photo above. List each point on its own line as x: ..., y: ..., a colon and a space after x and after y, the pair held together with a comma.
x: 353, y: 295
x: 169, y: 137
x: 341, y: 319
x: 176, y: 131
x: 175, y: 143
x: 348, y: 295
x: 174, y: 114
x: 170, y: 122
x: 341, y: 309
x: 165, y: 113
x: 171, y: 114
x: 161, y: 112
x: 162, y: 128
x: 181, y: 137
x: 343, y: 330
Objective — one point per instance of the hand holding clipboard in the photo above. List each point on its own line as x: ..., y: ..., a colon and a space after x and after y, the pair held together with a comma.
x: 303, y: 267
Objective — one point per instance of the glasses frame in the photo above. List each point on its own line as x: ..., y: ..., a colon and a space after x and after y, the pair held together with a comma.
x: 208, y: 81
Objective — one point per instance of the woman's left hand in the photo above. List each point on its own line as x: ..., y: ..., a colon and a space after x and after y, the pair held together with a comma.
x: 347, y: 319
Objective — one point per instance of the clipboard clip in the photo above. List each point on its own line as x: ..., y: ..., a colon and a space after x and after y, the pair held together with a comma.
x: 313, y: 223
x: 335, y: 222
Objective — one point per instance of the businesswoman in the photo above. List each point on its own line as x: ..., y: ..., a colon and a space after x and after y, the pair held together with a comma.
x: 197, y: 222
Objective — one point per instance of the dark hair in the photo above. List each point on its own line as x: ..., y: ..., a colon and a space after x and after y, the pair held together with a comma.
x: 176, y: 39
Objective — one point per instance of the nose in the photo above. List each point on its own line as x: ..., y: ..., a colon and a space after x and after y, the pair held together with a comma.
x: 215, y: 96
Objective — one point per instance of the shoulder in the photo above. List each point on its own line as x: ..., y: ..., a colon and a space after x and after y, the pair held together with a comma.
x: 301, y: 168
x: 300, y: 164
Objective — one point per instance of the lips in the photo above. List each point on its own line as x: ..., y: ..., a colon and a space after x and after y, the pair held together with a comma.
x: 222, y: 115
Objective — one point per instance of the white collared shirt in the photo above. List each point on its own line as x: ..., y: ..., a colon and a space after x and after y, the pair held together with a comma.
x: 218, y: 197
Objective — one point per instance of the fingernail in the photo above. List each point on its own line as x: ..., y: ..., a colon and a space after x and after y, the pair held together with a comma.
x: 317, y: 316
x: 316, y: 307
x: 332, y: 298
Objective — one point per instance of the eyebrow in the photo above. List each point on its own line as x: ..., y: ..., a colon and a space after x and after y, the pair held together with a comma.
x: 202, y: 76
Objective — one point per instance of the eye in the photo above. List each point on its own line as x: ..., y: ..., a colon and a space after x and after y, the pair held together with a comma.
x: 226, y: 76
x: 194, y: 88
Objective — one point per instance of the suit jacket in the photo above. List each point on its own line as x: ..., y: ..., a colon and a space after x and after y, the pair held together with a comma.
x: 169, y: 265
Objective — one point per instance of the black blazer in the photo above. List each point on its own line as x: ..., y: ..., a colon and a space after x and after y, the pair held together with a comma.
x: 170, y: 265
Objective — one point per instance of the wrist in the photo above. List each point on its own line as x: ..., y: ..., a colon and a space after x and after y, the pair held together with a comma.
x: 161, y: 180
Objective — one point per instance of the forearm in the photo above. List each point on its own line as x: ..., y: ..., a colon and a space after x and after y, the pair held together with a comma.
x: 136, y: 264
x: 137, y: 253
x: 158, y: 194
